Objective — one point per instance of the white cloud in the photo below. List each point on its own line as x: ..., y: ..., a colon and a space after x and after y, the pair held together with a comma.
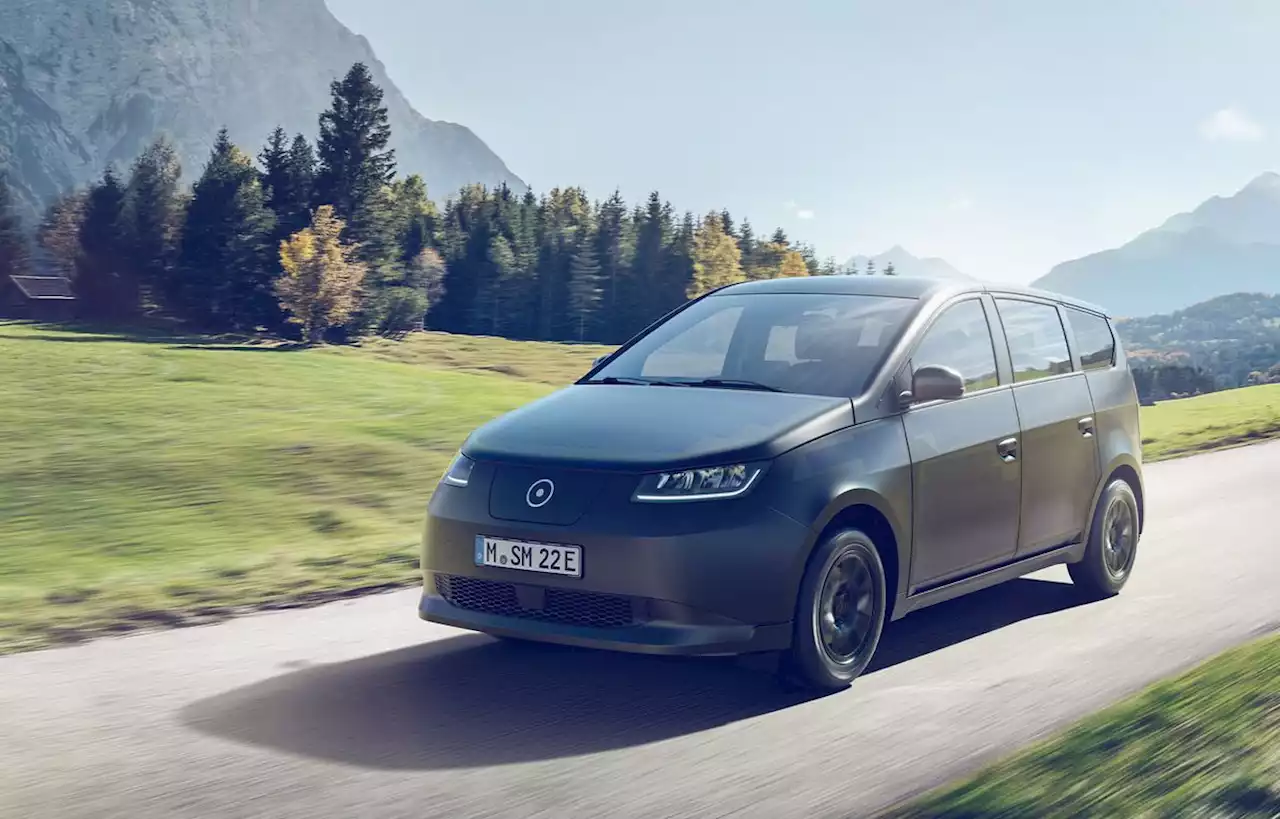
x: 1231, y: 125
x: 805, y: 213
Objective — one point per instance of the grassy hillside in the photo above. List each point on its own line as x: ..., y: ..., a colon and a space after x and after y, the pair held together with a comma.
x: 167, y: 480
x: 150, y: 482
x: 1201, y: 745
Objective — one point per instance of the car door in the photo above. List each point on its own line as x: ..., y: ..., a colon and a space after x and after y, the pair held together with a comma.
x: 1059, y: 442
x: 964, y: 455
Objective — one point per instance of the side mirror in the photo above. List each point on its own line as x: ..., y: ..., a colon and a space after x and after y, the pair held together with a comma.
x: 599, y: 360
x: 934, y: 383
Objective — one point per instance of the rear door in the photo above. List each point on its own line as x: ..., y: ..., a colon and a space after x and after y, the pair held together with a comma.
x: 1055, y: 410
x: 964, y: 455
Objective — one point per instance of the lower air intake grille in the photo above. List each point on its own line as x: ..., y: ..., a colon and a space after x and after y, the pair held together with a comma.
x: 560, y: 606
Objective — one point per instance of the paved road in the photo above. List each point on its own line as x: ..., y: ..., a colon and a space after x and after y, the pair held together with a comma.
x: 357, y: 709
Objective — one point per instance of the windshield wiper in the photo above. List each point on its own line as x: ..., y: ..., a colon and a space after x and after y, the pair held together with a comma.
x: 641, y: 382
x: 732, y: 384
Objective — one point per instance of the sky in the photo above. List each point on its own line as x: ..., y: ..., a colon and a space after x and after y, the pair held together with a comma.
x: 1004, y: 137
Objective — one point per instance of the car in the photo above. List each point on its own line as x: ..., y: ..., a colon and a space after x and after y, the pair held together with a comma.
x: 785, y: 466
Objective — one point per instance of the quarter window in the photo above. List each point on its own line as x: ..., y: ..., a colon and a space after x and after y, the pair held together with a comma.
x: 1037, y: 341
x: 1093, y: 337
x: 961, y: 339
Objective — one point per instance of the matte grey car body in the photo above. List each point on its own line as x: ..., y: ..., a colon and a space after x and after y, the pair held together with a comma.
x: 936, y: 438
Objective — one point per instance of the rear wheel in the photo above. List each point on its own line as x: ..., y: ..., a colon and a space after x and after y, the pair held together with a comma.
x: 1113, y: 543
x: 840, y: 613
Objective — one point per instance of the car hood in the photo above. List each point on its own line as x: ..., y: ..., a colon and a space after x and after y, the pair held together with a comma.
x: 635, y: 427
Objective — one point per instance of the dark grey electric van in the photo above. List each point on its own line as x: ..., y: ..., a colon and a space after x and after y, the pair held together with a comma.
x: 786, y: 465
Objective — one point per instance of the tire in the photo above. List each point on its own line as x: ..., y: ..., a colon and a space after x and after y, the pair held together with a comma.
x: 1113, y: 543
x: 843, y: 587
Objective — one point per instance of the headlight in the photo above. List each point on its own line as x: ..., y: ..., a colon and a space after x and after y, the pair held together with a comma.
x: 459, y: 472
x: 710, y: 483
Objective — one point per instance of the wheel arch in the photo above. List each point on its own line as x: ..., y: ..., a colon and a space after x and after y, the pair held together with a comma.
x: 870, y: 512
x: 1126, y: 468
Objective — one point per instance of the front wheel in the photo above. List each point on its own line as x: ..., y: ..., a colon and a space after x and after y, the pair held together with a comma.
x: 1113, y: 543
x: 840, y: 613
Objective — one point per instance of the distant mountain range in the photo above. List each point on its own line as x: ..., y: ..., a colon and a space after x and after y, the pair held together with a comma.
x: 905, y: 264
x: 1226, y: 245
x: 1230, y: 336
x: 87, y: 82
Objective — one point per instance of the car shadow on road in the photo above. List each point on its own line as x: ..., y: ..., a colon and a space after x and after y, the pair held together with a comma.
x: 471, y: 701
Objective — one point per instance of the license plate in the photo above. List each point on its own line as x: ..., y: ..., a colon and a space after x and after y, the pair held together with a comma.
x: 543, y: 558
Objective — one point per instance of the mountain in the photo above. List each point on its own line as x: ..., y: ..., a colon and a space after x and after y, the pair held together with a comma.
x: 37, y: 152
x: 905, y: 264
x: 1230, y: 337
x: 1226, y: 245
x: 88, y: 82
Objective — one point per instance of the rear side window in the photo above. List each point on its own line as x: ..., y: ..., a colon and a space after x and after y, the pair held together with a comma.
x: 1093, y: 338
x: 1037, y: 341
x: 961, y: 339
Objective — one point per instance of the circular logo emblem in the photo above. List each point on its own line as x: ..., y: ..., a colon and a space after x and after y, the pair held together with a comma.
x: 539, y: 494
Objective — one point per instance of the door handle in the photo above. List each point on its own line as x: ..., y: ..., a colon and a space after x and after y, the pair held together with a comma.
x: 1086, y: 426
x: 1008, y: 449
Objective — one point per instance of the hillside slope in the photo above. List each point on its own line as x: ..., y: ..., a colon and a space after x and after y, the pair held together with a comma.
x: 118, y: 72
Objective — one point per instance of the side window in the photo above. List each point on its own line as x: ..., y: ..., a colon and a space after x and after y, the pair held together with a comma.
x: 1093, y: 337
x: 1037, y: 341
x: 961, y: 339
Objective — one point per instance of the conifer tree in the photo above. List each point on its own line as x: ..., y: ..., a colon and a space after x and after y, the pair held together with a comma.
x: 227, y: 268
x: 356, y: 164
x: 104, y: 284
x: 584, y: 286
x: 154, y: 204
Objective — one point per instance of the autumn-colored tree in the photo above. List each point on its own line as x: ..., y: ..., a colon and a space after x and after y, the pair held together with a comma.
x: 793, y: 265
x: 322, y: 276
x: 59, y: 232
x: 717, y: 260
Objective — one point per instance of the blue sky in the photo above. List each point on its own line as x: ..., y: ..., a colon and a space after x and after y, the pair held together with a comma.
x: 1002, y: 136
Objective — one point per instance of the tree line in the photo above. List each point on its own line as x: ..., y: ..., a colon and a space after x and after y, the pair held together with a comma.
x: 327, y: 241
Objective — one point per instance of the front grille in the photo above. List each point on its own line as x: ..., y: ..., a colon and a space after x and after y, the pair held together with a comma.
x: 573, y: 608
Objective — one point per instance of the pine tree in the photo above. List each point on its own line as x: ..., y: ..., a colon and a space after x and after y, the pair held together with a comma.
x: 275, y: 169
x: 717, y: 259
x: 415, y: 217
x: 355, y: 163
x: 780, y: 238
x: 871, y: 267
x: 14, y: 252
x: 321, y: 283
x: 747, y: 244
x: 154, y: 206
x: 614, y: 241
x: 889, y: 270
x: 59, y: 232
x: 227, y: 268
x: 104, y: 284
x: 584, y: 286
x: 501, y: 267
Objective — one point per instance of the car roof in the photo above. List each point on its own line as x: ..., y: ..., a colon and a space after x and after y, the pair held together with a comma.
x: 895, y: 287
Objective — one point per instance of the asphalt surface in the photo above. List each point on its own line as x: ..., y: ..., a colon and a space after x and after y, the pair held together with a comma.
x: 359, y: 709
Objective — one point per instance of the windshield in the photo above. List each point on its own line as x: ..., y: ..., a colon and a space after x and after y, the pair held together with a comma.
x: 811, y: 343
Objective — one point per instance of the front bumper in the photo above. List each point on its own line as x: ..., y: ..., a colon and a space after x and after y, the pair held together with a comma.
x: 714, y: 577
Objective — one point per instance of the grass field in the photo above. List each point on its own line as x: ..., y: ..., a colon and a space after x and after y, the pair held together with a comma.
x: 167, y: 480
x: 1205, y: 744
x: 157, y: 482
x: 1211, y: 421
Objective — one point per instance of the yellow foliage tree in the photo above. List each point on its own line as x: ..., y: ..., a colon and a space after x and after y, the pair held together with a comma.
x: 321, y: 283
x: 717, y: 260
x: 793, y: 265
